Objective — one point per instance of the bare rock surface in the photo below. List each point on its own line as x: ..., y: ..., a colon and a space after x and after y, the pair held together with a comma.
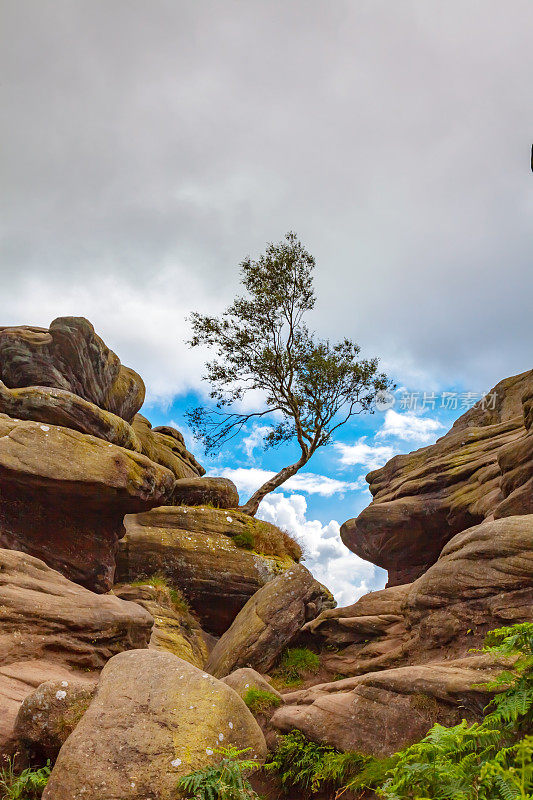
x: 69, y: 355
x: 64, y: 496
x: 381, y: 712
x: 482, y: 467
x: 245, y: 678
x: 53, y: 629
x: 154, y: 718
x: 196, y: 548
x: 48, y: 716
x: 269, y: 622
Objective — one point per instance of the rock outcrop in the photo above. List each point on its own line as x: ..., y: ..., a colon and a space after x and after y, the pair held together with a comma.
x: 482, y: 467
x: 175, y: 629
x: 154, y: 718
x: 63, y: 497
x: 269, y: 622
x: 216, y: 492
x: 75, y: 456
x: 381, y: 712
x: 197, y: 549
x: 53, y: 629
x: 458, y: 516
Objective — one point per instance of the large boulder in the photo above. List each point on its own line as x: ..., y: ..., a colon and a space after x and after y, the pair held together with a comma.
x: 371, y: 634
x: 269, y: 622
x: 482, y: 467
x: 245, y: 678
x: 217, y: 492
x: 48, y: 716
x: 154, y: 718
x: 205, y: 551
x: 52, y: 629
x: 482, y: 580
x: 166, y: 446
x: 64, y: 496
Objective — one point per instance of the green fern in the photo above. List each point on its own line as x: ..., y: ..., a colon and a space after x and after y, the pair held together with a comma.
x: 28, y: 785
x: 223, y: 781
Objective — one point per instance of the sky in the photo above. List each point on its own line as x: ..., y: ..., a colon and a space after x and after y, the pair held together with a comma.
x: 149, y: 147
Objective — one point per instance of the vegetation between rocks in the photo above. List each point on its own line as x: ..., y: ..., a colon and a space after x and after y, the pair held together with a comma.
x: 260, y: 701
x: 28, y: 785
x: 294, y: 664
x: 488, y: 760
x: 226, y: 780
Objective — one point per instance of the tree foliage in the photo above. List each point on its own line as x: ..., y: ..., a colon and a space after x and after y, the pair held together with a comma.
x: 261, y: 343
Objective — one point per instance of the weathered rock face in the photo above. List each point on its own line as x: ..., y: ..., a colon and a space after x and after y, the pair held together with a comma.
x: 369, y: 635
x: 482, y: 467
x: 63, y: 496
x: 217, y: 492
x: 269, y: 622
x: 166, y: 446
x: 48, y: 716
x: 175, y: 629
x: 52, y: 629
x: 195, y: 549
x: 70, y: 356
x: 381, y: 712
x: 154, y: 718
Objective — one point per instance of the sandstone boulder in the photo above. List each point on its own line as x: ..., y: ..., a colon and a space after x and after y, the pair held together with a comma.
x: 197, y: 549
x: 48, y: 716
x: 371, y: 634
x: 154, y: 718
x: 482, y: 467
x: 482, y: 580
x: 381, y: 712
x: 217, y: 492
x: 166, y: 446
x: 175, y: 629
x: 269, y: 622
x: 70, y: 356
x: 64, y: 495
x: 52, y: 629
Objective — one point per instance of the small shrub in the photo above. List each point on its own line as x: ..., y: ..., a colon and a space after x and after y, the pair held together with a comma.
x: 245, y: 539
x: 29, y: 785
x: 297, y: 661
x: 224, y: 781
x: 260, y: 701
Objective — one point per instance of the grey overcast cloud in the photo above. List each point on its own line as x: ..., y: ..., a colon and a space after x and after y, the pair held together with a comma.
x: 147, y: 147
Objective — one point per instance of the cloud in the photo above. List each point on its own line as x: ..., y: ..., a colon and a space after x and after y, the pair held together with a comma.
x: 248, y: 479
x: 148, y: 142
x: 344, y: 573
x: 369, y: 456
x: 254, y: 439
x: 410, y: 427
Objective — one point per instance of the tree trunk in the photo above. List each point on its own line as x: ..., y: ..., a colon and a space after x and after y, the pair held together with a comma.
x: 283, y: 475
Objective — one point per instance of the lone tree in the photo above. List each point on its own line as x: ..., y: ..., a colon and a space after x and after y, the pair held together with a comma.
x: 310, y: 386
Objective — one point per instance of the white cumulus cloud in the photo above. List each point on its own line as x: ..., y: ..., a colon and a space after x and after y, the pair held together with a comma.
x: 346, y: 575
x: 248, y: 479
x: 368, y: 455
x: 410, y: 427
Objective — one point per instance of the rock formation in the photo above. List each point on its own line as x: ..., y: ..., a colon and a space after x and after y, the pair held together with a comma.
x: 482, y: 467
x: 269, y: 622
x: 197, y: 548
x: 71, y: 464
x: 154, y: 718
x: 456, y: 516
x: 52, y: 629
